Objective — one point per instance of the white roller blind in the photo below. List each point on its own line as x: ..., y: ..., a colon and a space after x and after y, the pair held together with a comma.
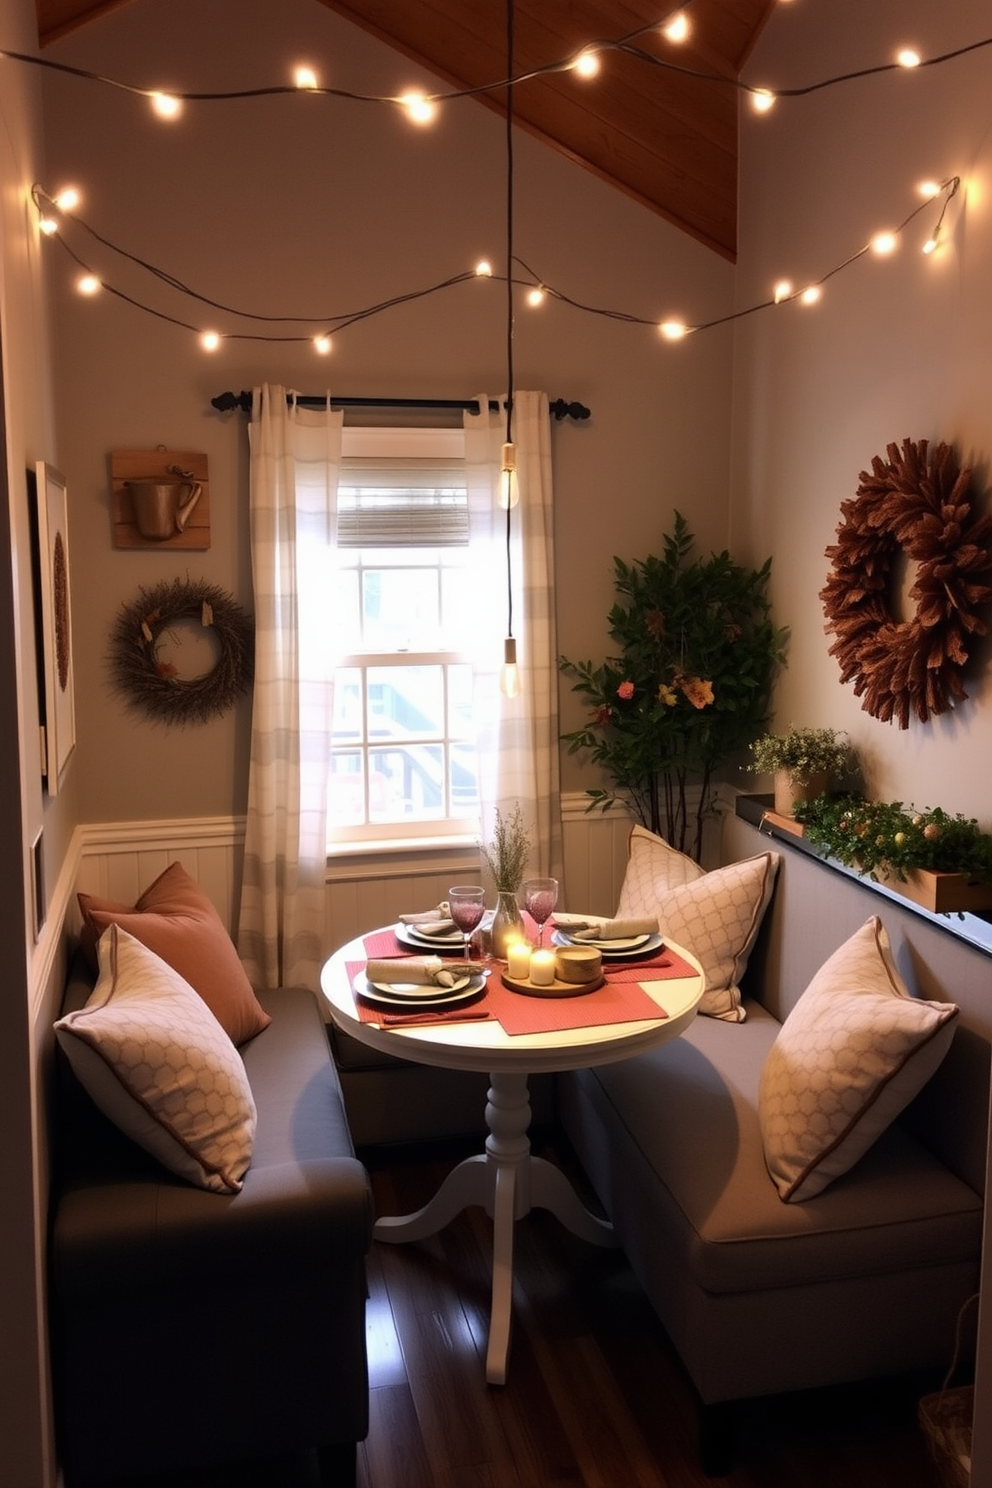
x: 402, y: 503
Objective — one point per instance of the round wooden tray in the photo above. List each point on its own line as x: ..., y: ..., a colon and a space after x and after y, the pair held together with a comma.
x: 551, y: 989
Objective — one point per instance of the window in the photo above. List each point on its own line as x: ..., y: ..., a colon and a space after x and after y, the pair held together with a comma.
x: 403, y: 761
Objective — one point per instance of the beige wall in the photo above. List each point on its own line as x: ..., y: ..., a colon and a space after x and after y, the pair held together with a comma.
x: 299, y: 204
x: 898, y: 348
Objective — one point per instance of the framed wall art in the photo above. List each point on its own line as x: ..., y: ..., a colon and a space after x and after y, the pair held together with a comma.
x: 57, y: 702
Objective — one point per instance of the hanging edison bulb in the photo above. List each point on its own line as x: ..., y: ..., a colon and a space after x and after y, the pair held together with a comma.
x: 509, y: 490
x: 509, y: 677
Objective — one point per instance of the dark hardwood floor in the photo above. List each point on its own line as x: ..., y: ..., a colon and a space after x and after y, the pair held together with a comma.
x: 596, y: 1396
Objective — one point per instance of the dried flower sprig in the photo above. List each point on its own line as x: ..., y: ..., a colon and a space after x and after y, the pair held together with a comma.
x: 508, y: 852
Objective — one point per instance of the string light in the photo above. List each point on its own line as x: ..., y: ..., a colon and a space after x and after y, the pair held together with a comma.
x: 762, y: 100
x: 67, y: 199
x: 210, y: 340
x: 586, y: 64
x: 322, y: 345
x: 305, y: 78
x: 166, y: 105
x: 420, y: 109
x: 538, y: 289
x: 423, y: 110
x: 88, y: 284
x: 678, y: 28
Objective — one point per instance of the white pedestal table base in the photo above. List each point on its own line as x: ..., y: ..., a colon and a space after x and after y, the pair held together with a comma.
x: 508, y: 1181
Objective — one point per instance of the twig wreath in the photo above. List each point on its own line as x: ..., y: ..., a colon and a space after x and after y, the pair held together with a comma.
x: 916, y: 504
x: 153, y: 685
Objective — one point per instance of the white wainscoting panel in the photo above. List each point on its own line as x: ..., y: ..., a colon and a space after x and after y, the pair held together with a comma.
x: 595, y: 853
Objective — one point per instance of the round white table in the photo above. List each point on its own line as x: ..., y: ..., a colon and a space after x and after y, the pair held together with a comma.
x: 507, y: 1179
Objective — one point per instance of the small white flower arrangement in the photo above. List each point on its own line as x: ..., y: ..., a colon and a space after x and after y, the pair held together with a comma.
x: 803, y: 753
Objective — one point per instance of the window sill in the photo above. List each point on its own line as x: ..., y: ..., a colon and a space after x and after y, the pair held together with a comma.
x: 346, y: 860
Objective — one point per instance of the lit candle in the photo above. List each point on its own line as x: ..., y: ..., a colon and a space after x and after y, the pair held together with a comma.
x: 518, y: 960
x: 542, y: 968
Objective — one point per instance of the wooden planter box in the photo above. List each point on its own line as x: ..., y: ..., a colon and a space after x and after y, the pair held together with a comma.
x: 940, y: 893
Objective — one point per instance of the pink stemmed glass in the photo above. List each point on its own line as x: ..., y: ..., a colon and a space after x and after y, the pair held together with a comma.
x: 540, y: 898
x: 466, y: 906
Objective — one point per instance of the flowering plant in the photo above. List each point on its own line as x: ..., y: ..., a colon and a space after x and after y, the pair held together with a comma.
x: 876, y: 837
x: 690, y: 684
x: 802, y: 753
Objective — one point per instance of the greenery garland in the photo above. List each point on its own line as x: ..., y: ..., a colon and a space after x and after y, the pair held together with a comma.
x: 879, y: 838
x: 154, y: 686
x: 915, y: 504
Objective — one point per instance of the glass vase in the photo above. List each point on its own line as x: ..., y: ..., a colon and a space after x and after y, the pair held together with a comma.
x: 508, y: 922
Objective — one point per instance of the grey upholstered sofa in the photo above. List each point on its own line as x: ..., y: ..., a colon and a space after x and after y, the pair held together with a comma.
x: 760, y: 1296
x: 190, y: 1327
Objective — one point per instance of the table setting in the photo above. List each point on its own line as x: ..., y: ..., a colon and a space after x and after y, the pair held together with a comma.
x: 429, y: 969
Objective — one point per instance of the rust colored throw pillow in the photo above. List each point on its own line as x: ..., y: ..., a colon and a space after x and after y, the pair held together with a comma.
x: 175, y: 919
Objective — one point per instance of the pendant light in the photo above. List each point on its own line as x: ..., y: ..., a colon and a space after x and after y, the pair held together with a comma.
x: 509, y: 494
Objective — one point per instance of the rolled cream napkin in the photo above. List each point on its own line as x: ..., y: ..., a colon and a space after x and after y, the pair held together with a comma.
x: 613, y: 929
x: 430, y: 921
x: 421, y: 971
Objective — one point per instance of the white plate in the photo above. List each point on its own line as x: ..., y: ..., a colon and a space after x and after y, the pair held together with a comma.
x: 640, y: 945
x: 443, y: 999
x: 409, y: 935
x: 416, y: 991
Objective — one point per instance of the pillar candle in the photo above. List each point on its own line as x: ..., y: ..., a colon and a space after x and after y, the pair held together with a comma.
x: 542, y: 968
x: 518, y: 960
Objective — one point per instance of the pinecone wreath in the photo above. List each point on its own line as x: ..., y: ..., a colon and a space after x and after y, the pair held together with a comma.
x: 916, y: 504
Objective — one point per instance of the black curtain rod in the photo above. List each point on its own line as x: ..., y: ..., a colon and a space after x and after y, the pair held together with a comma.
x: 224, y: 402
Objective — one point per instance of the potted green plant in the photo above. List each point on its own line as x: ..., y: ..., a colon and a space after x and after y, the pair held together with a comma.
x: 689, y: 684
x: 506, y: 855
x: 804, y: 763
x: 940, y: 861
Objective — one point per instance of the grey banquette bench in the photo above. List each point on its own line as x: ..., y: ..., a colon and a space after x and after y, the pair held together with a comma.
x: 761, y: 1296
x: 191, y: 1327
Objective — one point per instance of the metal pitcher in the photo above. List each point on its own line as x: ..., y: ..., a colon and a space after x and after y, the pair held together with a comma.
x: 163, y: 507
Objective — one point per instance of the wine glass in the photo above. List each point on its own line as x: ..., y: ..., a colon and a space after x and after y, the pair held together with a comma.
x: 466, y: 906
x: 540, y: 898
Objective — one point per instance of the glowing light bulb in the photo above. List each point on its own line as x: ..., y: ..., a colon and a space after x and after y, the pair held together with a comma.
x: 48, y: 226
x: 673, y: 330
x: 88, y: 284
x: 884, y: 243
x: 165, y: 105
x: 586, y: 64
x: 419, y: 108
x: 322, y: 345
x: 535, y: 296
x: 908, y: 57
x: 304, y: 77
x: 677, y: 29
x: 762, y: 100
x: 509, y: 488
x: 782, y: 290
x: 68, y: 199
x: 811, y: 294
x: 509, y: 677
x: 484, y: 269
x: 930, y: 245
x: 210, y: 340
x: 929, y: 189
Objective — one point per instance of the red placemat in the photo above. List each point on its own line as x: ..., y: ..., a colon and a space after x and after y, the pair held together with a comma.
x: 611, y: 1003
x: 381, y: 944
x: 652, y: 969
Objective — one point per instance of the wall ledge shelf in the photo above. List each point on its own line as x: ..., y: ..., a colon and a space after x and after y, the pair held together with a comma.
x: 758, y: 810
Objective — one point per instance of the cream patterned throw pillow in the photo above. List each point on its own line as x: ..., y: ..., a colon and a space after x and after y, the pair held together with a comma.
x: 715, y: 915
x: 156, y: 1061
x: 849, y: 1057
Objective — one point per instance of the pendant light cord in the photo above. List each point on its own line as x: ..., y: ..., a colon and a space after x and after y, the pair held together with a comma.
x: 509, y: 288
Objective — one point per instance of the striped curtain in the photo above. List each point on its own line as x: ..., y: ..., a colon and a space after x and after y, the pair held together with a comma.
x: 518, y: 737
x: 295, y: 455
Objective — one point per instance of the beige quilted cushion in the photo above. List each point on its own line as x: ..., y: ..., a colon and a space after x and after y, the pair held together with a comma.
x: 852, y: 1053
x: 715, y: 915
x: 156, y: 1061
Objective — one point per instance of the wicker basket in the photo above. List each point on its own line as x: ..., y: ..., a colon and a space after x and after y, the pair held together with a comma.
x: 946, y: 1421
